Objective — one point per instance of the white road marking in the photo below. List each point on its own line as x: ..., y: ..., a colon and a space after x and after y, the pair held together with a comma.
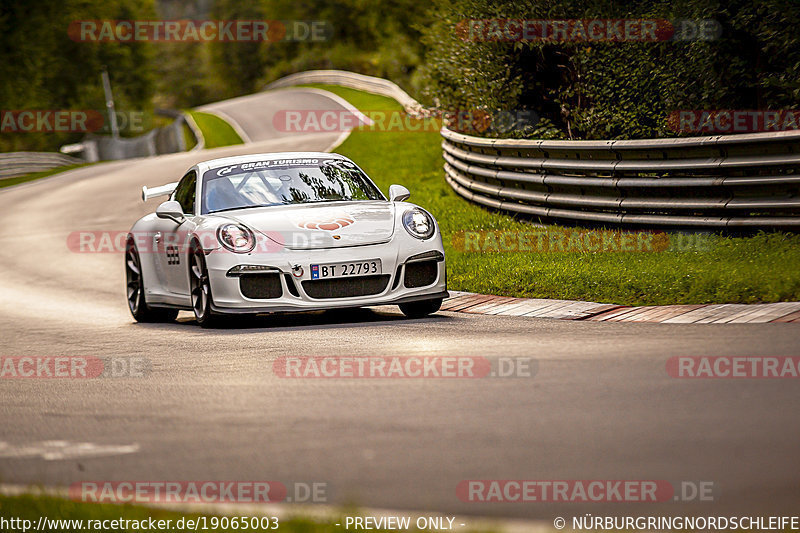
x: 58, y: 450
x: 232, y: 123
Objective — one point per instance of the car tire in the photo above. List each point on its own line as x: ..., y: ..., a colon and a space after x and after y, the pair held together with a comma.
x: 137, y: 303
x: 200, y: 288
x: 421, y: 308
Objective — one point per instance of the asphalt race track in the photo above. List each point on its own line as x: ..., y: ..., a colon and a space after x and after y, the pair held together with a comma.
x: 601, y: 405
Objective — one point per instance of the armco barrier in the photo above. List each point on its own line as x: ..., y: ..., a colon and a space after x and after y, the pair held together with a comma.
x: 730, y: 181
x: 13, y: 164
x: 361, y: 82
x: 166, y: 140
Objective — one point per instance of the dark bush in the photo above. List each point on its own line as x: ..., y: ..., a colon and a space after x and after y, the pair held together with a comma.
x: 597, y: 90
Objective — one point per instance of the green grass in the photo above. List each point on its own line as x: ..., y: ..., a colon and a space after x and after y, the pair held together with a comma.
x: 33, y: 506
x: 8, y: 182
x: 216, y: 131
x: 760, y: 268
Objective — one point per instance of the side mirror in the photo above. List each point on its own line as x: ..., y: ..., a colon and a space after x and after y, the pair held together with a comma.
x: 398, y: 193
x: 171, y: 210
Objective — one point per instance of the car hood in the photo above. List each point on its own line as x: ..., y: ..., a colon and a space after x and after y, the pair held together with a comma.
x: 323, y: 225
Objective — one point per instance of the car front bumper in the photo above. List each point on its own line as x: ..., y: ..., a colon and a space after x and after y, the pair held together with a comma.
x: 228, y: 296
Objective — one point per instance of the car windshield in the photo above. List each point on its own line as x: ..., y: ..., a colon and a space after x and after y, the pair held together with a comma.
x: 284, y: 182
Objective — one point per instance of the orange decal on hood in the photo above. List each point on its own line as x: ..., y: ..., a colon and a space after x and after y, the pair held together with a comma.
x: 328, y: 224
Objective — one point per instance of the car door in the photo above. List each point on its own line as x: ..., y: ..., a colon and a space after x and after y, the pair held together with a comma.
x: 173, y: 239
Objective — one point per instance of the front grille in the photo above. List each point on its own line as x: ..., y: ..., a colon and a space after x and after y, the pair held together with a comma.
x: 346, y: 287
x: 421, y: 274
x: 261, y: 286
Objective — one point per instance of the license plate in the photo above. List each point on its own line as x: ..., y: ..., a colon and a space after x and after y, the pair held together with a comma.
x: 346, y: 270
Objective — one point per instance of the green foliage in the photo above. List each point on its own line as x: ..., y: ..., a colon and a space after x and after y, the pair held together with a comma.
x: 42, y: 68
x: 611, y: 89
x: 240, y: 64
x: 184, y: 76
x: 580, y: 90
x: 376, y: 37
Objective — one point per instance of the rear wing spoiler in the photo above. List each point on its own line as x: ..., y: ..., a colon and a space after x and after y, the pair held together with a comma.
x: 154, y: 192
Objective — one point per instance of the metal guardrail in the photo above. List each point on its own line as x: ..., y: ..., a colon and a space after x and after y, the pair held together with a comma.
x: 14, y: 164
x: 165, y: 140
x: 352, y: 80
x: 732, y: 181
x: 749, y: 181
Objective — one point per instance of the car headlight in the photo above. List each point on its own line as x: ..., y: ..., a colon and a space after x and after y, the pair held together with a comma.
x: 418, y: 223
x: 236, y: 238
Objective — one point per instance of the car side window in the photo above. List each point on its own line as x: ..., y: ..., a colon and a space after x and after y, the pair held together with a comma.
x: 185, y: 192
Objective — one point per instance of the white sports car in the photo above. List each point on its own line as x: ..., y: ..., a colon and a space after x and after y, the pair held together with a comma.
x: 292, y: 231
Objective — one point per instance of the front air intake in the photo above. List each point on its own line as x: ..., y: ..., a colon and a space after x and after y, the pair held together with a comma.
x: 346, y: 287
x: 261, y: 286
x: 421, y: 274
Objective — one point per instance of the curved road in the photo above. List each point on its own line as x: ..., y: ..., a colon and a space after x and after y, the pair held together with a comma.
x: 601, y: 405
